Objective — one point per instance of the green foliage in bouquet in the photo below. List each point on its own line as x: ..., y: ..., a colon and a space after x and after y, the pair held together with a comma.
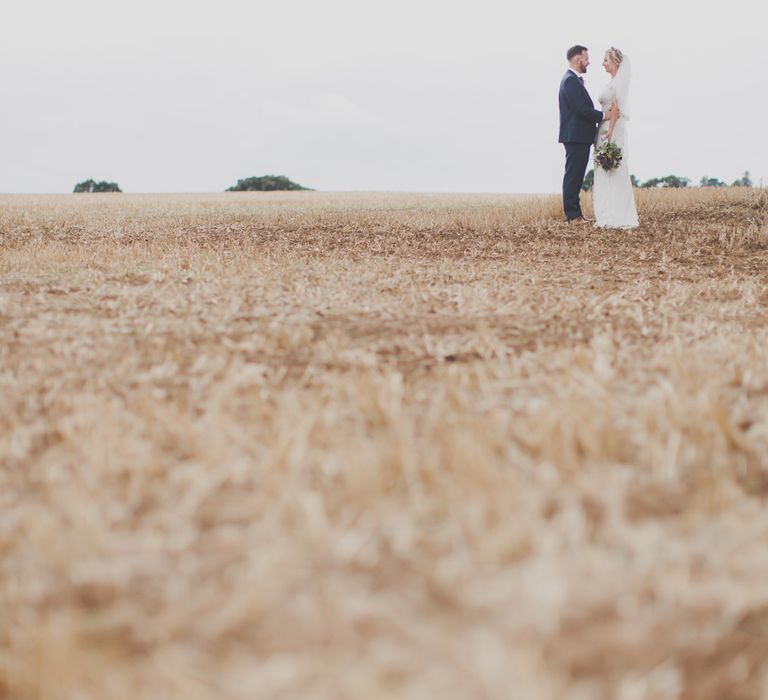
x: 608, y: 156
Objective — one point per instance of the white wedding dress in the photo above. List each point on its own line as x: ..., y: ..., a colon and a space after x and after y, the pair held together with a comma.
x: 613, y: 196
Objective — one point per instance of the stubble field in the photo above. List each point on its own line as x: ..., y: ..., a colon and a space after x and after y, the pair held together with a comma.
x: 383, y: 446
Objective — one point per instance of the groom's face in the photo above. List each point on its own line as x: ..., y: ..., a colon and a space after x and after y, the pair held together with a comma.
x: 584, y: 61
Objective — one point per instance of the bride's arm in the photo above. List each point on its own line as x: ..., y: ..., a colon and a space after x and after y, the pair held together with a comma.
x: 613, y: 116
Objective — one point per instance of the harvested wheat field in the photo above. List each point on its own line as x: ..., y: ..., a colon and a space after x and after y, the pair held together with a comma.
x: 314, y: 446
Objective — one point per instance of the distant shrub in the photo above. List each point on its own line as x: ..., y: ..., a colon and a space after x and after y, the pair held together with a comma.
x: 93, y: 186
x: 265, y: 183
x: 667, y: 181
x: 744, y: 181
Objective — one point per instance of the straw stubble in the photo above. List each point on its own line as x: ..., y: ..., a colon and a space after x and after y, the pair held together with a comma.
x: 414, y: 446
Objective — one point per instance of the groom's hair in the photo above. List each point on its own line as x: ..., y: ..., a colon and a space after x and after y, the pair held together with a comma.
x: 575, y: 51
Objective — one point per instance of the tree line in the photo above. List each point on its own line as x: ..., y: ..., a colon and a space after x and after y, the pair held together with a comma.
x: 265, y: 183
x: 674, y: 181
x: 274, y: 183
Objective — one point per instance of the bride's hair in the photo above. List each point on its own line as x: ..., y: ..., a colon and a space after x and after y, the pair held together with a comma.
x: 615, y: 56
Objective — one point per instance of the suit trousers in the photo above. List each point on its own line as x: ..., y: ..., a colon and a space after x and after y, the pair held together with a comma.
x: 576, y: 160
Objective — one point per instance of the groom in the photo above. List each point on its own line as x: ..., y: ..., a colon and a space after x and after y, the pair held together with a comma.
x: 578, y: 127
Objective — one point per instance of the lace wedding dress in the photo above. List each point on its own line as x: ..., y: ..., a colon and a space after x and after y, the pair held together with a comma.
x: 613, y: 197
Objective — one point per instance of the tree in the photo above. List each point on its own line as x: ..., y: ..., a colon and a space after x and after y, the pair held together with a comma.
x: 589, y: 181
x: 711, y: 182
x: 667, y: 181
x: 265, y: 183
x: 744, y: 181
x: 635, y: 182
x: 93, y: 186
x: 675, y: 181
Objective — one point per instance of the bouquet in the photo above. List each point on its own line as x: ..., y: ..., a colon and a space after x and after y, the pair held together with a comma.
x: 608, y: 156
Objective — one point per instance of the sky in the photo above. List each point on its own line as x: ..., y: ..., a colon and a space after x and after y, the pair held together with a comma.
x: 353, y: 95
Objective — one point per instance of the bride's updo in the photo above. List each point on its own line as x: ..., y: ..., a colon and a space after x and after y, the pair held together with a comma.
x: 615, y: 56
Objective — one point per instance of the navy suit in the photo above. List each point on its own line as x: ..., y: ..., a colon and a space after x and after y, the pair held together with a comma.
x: 578, y: 128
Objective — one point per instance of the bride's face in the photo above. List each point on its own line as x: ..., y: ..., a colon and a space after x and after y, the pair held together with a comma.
x: 608, y: 65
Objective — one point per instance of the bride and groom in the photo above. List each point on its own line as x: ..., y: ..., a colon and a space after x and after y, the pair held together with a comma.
x: 581, y: 126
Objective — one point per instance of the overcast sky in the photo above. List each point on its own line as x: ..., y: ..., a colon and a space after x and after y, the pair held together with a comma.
x: 419, y: 95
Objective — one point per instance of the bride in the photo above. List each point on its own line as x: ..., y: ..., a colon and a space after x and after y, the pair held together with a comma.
x: 614, y: 200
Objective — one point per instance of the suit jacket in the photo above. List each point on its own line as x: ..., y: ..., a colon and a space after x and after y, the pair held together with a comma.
x: 578, y: 117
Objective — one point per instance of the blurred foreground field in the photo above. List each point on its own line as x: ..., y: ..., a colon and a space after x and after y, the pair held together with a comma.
x: 330, y: 447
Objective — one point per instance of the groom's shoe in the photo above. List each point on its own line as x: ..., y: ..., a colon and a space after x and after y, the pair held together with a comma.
x: 579, y: 220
